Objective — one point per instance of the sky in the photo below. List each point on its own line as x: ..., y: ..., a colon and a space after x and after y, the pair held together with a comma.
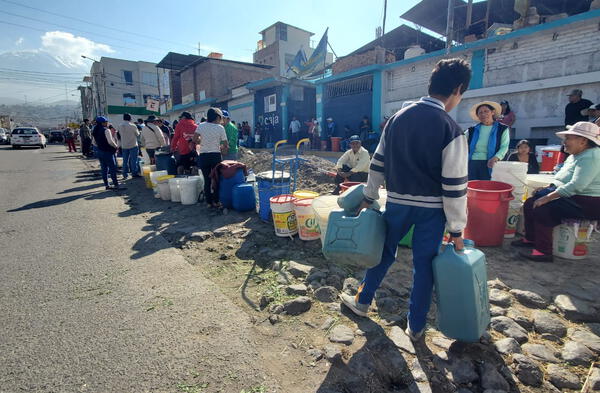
x: 147, y: 30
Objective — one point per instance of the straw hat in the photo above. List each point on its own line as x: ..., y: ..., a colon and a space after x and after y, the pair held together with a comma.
x: 495, y: 105
x: 585, y: 129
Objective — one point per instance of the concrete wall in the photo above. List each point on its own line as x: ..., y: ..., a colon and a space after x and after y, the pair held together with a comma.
x: 373, y: 56
x: 268, y: 55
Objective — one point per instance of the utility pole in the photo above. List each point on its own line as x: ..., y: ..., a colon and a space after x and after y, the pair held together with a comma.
x: 384, y: 18
x: 449, y: 25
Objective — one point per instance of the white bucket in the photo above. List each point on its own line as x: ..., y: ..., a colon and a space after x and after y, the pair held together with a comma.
x: 513, y: 173
x: 188, y: 189
x: 175, y: 193
x: 308, y: 229
x: 119, y: 162
x: 512, y: 219
x: 284, y: 219
x: 153, y: 177
x: 165, y: 191
x: 569, y: 239
x: 199, y: 184
x: 322, y: 206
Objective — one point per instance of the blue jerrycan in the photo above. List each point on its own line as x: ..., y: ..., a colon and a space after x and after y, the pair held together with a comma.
x: 461, y: 291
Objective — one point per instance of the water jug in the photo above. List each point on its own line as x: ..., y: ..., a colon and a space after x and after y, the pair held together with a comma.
x: 355, y: 240
x: 461, y: 291
x: 166, y: 162
x: 351, y: 199
x: 243, y: 197
x: 226, y: 187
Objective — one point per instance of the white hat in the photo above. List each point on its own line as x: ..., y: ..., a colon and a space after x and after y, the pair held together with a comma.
x: 583, y: 128
x: 586, y: 111
x: 493, y: 104
x: 329, y: 118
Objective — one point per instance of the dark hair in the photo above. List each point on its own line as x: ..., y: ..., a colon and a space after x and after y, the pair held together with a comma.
x: 126, y: 116
x: 523, y: 142
x: 86, y: 120
x: 591, y: 143
x: 140, y: 120
x: 507, y: 110
x: 203, y: 119
x: 212, y: 115
x: 486, y: 105
x: 449, y: 74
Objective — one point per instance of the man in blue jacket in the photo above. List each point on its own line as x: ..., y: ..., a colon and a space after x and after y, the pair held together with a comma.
x: 422, y: 158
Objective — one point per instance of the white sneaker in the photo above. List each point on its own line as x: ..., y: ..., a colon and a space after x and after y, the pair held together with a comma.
x: 412, y: 335
x: 357, y: 308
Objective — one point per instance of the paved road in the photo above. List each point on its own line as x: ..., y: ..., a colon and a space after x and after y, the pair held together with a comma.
x: 91, y: 300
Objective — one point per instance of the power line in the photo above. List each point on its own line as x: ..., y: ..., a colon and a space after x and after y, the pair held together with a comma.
x: 41, y: 72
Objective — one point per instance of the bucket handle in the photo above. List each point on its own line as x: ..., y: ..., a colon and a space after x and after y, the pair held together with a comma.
x: 507, y: 198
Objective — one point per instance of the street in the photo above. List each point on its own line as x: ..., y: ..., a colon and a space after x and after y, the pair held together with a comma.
x: 82, y: 311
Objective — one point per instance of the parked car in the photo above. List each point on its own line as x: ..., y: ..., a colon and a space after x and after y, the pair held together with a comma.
x: 55, y: 136
x: 4, y: 136
x: 27, y: 136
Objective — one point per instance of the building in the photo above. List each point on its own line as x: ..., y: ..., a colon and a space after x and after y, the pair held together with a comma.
x: 200, y: 82
x: 279, y: 45
x: 121, y: 86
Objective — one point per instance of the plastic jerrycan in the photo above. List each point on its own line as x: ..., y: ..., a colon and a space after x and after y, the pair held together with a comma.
x: 461, y: 292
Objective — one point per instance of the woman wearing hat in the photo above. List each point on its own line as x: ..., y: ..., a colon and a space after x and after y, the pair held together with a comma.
x: 574, y: 193
x: 152, y: 137
x: 106, y: 147
x: 488, y: 140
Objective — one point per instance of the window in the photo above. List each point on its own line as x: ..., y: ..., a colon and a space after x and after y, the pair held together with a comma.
x: 297, y: 93
x: 149, y: 79
x: 282, y: 32
x: 129, y: 99
x: 289, y: 59
x: 270, y: 103
x: 348, y: 87
x: 24, y: 131
x: 128, y: 77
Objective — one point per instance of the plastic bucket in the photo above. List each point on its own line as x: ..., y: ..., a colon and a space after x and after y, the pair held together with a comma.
x: 119, y: 162
x: 284, y: 219
x: 305, y: 194
x: 270, y: 185
x: 146, y: 170
x: 335, y: 143
x: 347, y: 184
x: 308, y: 229
x: 153, y: 176
x: 512, y: 219
x: 322, y: 206
x: 487, y: 209
x: 569, y: 240
x: 163, y: 187
x: 175, y: 192
x: 513, y: 173
x: 199, y: 184
x: 166, y: 162
x: 550, y: 158
x: 188, y: 189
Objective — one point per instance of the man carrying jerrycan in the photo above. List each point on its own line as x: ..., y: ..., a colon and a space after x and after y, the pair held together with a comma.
x: 422, y: 158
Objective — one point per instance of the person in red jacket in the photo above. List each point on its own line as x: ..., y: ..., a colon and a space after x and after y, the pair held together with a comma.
x: 183, y: 145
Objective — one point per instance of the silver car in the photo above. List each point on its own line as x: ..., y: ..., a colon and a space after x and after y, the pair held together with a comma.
x: 27, y: 136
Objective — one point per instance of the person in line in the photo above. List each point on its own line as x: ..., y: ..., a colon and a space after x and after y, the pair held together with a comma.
x: 182, y: 144
x: 364, y: 128
x: 524, y: 154
x: 167, y: 131
x: 232, y: 137
x: 70, y: 140
x: 212, y: 138
x: 85, y: 135
x: 431, y: 198
x: 294, y: 130
x: 575, y: 106
x: 152, y: 138
x: 507, y: 116
x: 488, y: 140
x: 593, y: 112
x: 353, y: 165
x: 107, y: 147
x: 345, y: 142
x: 573, y: 194
x: 331, y: 131
x: 129, y: 147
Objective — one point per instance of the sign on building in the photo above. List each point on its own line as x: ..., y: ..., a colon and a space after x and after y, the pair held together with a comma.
x: 153, y: 105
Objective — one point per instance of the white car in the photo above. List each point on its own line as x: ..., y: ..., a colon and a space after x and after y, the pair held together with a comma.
x: 27, y: 136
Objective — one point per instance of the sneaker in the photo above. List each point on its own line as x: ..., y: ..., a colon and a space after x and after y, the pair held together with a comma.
x: 357, y: 308
x: 412, y: 335
x: 536, y: 256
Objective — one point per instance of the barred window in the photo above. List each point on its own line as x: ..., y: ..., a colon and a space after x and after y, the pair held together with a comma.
x: 350, y: 86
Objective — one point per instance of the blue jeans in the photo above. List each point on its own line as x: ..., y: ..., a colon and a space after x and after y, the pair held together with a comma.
x: 427, y: 238
x: 108, y: 165
x: 130, y: 161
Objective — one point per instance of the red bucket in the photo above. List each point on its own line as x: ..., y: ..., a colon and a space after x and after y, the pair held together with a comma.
x: 550, y: 159
x: 347, y: 184
x: 335, y: 143
x: 487, y: 209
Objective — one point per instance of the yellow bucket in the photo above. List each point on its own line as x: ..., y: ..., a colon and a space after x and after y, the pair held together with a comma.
x: 284, y: 219
x: 146, y: 170
x: 305, y: 194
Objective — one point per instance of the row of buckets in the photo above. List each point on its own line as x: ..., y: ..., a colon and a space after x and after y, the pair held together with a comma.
x: 185, y: 189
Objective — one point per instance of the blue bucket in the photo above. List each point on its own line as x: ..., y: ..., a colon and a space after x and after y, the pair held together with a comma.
x: 226, y: 187
x: 270, y: 185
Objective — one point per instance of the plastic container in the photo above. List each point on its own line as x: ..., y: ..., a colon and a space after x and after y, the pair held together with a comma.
x: 284, y: 219
x: 460, y: 281
x: 550, y: 158
x: 153, y: 176
x: 570, y: 239
x: 163, y: 187
x: 199, y: 179
x: 146, y: 170
x: 513, y: 173
x: 119, y: 162
x: 305, y: 194
x: 188, y: 188
x: 243, y: 199
x: 351, y: 199
x: 308, y: 229
x: 487, y: 209
x: 166, y: 162
x: 335, y: 143
x: 347, y: 184
x: 322, y: 206
x: 355, y: 240
x: 512, y: 219
x: 270, y: 185
x: 175, y: 191
x: 226, y: 187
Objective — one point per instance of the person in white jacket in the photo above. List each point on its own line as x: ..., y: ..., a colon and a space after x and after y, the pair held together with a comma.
x: 152, y: 137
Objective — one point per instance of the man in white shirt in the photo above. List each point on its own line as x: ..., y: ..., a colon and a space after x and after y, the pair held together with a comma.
x: 353, y: 165
x: 294, y: 130
x: 129, y: 146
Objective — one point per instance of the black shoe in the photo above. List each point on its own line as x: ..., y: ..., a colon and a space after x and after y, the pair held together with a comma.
x: 536, y: 258
x: 136, y: 176
x: 521, y: 243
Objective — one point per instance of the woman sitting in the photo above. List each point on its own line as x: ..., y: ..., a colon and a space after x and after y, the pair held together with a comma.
x: 488, y: 140
x: 524, y: 154
x: 574, y: 193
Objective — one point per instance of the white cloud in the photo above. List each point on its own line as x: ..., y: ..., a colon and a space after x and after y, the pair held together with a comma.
x: 19, y: 41
x: 69, y: 48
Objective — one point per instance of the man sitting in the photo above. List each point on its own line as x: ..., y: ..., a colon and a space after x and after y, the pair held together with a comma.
x: 353, y: 165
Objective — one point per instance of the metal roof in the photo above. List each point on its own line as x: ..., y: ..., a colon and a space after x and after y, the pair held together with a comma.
x: 202, y: 59
x: 176, y: 61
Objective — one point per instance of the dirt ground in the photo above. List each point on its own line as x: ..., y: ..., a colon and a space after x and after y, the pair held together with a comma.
x: 252, y: 266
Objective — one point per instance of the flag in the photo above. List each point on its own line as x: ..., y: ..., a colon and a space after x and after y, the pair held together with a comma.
x: 316, y: 61
x: 298, y: 62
